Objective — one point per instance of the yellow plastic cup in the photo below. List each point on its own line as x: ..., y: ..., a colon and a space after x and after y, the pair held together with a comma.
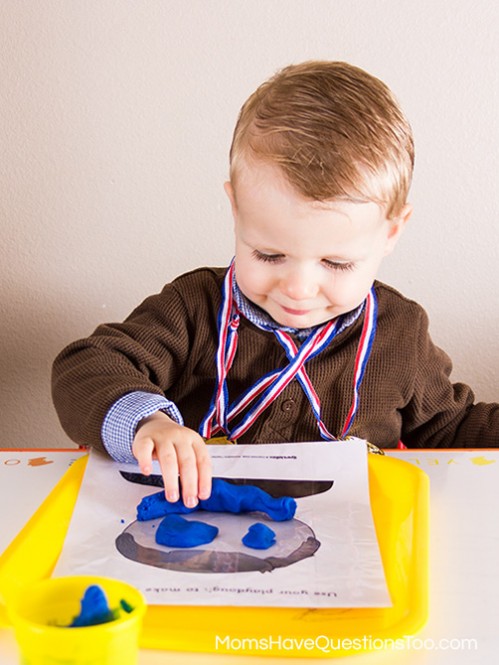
x: 41, y: 616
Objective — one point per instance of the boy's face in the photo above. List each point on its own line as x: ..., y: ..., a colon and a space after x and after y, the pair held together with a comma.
x: 305, y: 262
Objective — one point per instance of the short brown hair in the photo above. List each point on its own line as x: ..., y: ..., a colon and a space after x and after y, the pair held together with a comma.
x: 334, y: 130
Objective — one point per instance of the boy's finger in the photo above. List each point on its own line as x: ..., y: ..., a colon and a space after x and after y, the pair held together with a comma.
x: 204, y: 472
x: 167, y: 458
x: 143, y: 454
x: 188, y: 476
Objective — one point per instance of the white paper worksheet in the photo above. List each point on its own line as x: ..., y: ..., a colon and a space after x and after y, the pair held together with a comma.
x: 327, y: 555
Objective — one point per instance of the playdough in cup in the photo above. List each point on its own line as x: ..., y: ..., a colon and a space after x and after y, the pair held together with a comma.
x: 44, y: 621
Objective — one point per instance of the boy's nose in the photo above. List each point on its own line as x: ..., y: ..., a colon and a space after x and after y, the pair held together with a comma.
x: 297, y: 286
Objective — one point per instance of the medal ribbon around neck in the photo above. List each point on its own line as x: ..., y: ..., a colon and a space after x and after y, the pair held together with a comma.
x: 221, y: 413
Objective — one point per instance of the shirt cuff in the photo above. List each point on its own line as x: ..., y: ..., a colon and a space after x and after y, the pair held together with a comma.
x: 120, y: 423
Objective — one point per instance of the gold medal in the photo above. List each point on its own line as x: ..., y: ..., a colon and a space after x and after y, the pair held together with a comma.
x: 220, y: 440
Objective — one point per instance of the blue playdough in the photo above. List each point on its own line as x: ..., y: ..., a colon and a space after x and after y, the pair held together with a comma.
x: 155, y: 505
x: 94, y: 609
x: 259, y: 537
x: 176, y: 531
x: 225, y: 498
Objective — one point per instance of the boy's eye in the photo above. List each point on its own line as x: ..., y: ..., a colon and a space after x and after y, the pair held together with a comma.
x: 267, y: 258
x: 338, y: 265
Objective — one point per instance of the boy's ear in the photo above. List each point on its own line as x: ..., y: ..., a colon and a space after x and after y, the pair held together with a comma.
x: 229, y: 190
x: 397, y: 225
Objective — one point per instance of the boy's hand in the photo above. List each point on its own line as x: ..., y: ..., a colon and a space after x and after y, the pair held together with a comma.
x: 180, y: 452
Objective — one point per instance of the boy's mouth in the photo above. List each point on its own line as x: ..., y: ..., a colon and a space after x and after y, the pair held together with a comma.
x: 295, y: 312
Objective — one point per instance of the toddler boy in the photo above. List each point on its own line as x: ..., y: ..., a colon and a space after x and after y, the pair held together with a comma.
x: 296, y: 340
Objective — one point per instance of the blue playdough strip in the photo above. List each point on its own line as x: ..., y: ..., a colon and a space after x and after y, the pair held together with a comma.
x: 225, y: 498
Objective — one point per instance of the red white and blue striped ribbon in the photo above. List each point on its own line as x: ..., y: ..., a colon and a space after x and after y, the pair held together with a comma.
x: 228, y: 324
x: 304, y: 379
x: 362, y: 355
x: 221, y: 413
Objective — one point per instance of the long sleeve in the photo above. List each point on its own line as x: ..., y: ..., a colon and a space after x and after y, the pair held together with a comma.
x: 152, y: 351
x: 121, y: 421
x: 441, y: 413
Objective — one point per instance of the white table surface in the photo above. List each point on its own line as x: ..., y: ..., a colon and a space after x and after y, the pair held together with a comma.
x: 463, y: 625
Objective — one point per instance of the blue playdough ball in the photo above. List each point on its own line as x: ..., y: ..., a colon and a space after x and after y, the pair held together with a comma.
x: 176, y: 531
x: 259, y: 537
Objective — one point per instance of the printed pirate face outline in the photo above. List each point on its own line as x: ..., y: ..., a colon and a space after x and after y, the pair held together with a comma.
x: 295, y: 540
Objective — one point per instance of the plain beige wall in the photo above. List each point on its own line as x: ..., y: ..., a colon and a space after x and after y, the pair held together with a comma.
x: 116, y: 123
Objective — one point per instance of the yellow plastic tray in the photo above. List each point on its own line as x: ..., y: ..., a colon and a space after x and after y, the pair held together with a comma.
x: 399, y: 497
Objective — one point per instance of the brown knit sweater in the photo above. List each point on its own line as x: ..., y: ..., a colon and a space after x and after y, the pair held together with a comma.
x: 167, y: 346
